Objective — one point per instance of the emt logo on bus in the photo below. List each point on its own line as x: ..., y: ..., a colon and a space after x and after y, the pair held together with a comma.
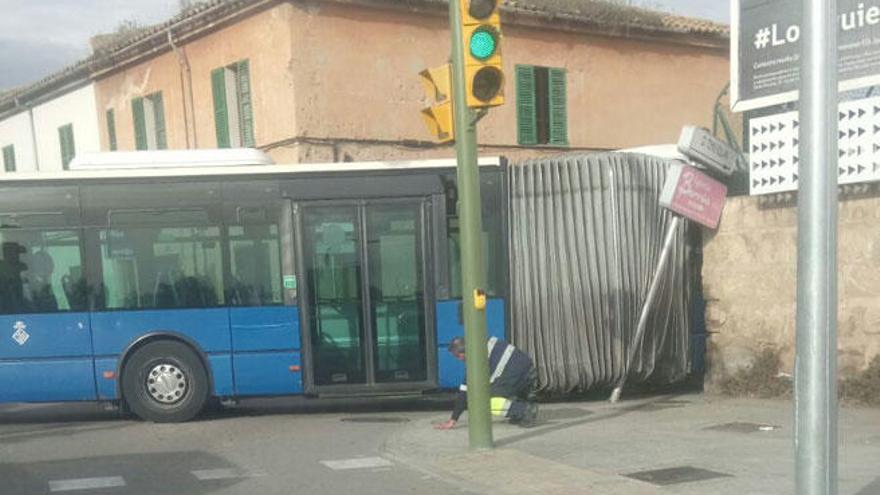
x: 20, y: 336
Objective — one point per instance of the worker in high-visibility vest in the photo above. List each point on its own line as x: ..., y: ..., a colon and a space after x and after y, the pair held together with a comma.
x: 511, y: 384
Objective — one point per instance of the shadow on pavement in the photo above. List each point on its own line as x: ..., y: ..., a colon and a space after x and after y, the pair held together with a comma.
x: 547, y: 425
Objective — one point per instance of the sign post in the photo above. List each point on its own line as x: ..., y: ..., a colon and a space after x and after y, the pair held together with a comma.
x: 816, y: 360
x: 690, y: 193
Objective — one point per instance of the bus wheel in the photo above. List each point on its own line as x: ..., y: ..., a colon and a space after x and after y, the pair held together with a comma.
x: 165, y: 382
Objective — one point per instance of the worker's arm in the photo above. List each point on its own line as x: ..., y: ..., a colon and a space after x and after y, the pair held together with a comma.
x: 457, y: 409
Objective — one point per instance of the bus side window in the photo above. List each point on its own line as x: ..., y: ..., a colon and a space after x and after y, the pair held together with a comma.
x: 41, y: 272
x: 255, y: 265
x: 162, y: 267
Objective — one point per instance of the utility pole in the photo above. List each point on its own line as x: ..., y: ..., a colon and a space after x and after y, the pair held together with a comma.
x: 816, y: 361
x: 470, y: 227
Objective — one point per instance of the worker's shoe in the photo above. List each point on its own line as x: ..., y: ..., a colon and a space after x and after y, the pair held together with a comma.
x: 530, y: 417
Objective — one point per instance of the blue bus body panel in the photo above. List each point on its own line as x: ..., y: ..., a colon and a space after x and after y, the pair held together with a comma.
x: 106, y: 387
x: 451, y: 370
x: 115, y: 331
x: 266, y: 343
x: 51, y: 380
x: 268, y: 373
x: 46, y: 357
x: 269, y: 328
x: 221, y: 371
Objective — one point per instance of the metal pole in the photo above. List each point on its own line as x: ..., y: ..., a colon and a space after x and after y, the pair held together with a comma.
x: 646, y: 307
x: 476, y: 356
x: 816, y: 361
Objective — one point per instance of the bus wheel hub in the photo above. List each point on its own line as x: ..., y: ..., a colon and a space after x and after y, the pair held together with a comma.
x: 166, y: 383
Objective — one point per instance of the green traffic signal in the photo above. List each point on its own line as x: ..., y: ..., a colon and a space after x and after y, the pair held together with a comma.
x: 484, y: 42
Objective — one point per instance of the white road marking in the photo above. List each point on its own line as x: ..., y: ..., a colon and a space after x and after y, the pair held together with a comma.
x: 86, y: 484
x: 225, y: 474
x: 359, y: 463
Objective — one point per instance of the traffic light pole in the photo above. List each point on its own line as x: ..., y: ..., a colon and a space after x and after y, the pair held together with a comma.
x: 476, y: 355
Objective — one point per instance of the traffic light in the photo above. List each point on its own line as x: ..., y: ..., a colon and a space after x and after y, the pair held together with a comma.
x: 438, y: 84
x: 481, y: 39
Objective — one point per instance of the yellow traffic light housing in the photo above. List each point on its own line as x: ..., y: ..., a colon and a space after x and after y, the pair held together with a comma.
x: 481, y: 41
x: 439, y: 116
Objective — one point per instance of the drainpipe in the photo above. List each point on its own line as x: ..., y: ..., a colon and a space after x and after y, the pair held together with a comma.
x: 33, y: 134
x: 189, y: 115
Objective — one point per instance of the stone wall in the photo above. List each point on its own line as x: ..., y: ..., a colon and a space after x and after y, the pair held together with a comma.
x: 750, y: 276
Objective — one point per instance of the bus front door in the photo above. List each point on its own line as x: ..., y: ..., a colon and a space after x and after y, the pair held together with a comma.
x: 365, y: 303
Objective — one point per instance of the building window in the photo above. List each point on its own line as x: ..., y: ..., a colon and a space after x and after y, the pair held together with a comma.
x: 68, y: 148
x: 149, y: 122
x: 111, y: 129
x: 541, y: 106
x: 233, y: 110
x: 9, y: 158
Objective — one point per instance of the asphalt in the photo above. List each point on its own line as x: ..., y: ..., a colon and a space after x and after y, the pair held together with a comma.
x: 673, y: 444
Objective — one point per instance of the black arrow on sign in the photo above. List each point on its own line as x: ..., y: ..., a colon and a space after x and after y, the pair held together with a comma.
x: 772, y: 163
x: 851, y: 170
x: 841, y: 134
x: 755, y: 131
x: 781, y: 144
x: 794, y: 142
x: 876, y: 110
x: 841, y: 116
x: 861, y: 131
x: 781, y: 162
x: 795, y: 124
x: 876, y: 147
x: 781, y: 126
x: 781, y: 179
x: 794, y: 177
x: 763, y: 146
x: 763, y: 129
x: 764, y: 181
x: 840, y: 153
x: 861, y: 112
x: 772, y: 181
x: 876, y: 129
x: 772, y: 146
x: 861, y: 169
x: 755, y: 183
x: 772, y: 127
x: 852, y: 133
x: 852, y: 114
x: 755, y: 148
x: 795, y: 160
x: 840, y: 171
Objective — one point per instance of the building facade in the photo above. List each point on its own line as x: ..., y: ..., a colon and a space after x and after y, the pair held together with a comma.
x: 333, y: 80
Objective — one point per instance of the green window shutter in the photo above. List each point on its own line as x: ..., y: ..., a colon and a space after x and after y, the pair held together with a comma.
x: 221, y: 114
x: 68, y: 149
x: 245, y: 106
x: 9, y: 158
x: 140, y: 125
x: 159, y: 116
x: 527, y: 126
x: 111, y: 130
x: 558, y: 108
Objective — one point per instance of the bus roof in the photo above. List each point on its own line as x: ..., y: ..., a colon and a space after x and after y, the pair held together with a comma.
x: 187, y: 170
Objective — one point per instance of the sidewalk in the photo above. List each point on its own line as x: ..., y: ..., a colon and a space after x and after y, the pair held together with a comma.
x: 706, y: 445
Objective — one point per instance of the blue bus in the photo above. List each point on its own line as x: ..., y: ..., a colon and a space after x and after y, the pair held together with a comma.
x: 164, y: 288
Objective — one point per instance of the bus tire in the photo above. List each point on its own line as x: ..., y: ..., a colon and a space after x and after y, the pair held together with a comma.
x: 165, y: 382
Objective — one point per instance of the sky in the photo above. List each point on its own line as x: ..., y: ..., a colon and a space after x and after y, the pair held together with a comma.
x: 39, y: 37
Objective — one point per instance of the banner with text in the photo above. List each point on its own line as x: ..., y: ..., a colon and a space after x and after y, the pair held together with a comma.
x: 766, y: 49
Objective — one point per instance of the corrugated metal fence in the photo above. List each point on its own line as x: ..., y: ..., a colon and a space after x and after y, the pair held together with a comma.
x: 585, y: 235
